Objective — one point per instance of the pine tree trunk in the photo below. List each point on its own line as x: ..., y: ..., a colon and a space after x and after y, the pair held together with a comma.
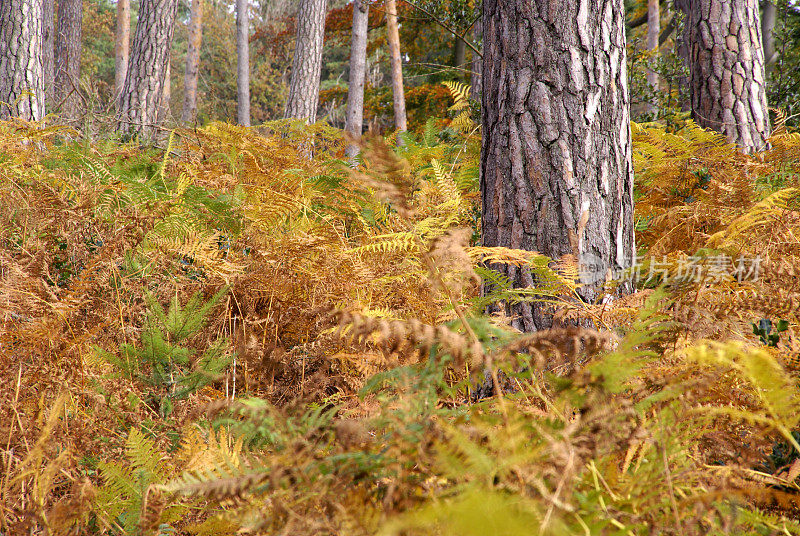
x: 477, y: 64
x: 653, y: 33
x: 122, y: 45
x: 726, y: 63
x: 768, y: 19
x: 358, y: 69
x: 303, y: 98
x: 189, y: 113
x: 243, y: 62
x: 21, y: 68
x: 68, y: 58
x: 398, y: 93
x: 144, y: 82
x: 166, y: 99
x: 48, y: 51
x: 556, y: 172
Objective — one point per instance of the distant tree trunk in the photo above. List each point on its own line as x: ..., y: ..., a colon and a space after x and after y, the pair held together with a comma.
x: 459, y: 53
x: 48, y: 51
x: 653, y: 32
x: 726, y: 63
x: 144, y: 82
x: 768, y: 18
x: 243, y: 62
x: 68, y: 58
x: 477, y: 64
x: 358, y: 69
x: 122, y: 45
x: 393, y: 36
x: 303, y: 98
x: 556, y: 171
x: 189, y: 113
x: 21, y: 67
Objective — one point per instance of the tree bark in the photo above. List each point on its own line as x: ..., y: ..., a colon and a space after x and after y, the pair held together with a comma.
x: 166, y: 99
x: 144, y: 82
x: 48, y: 51
x: 122, y: 45
x: 768, y: 18
x: 354, y: 123
x: 303, y: 98
x: 243, y: 62
x: 21, y: 67
x: 556, y: 172
x: 398, y: 93
x: 459, y: 53
x: 477, y: 64
x: 68, y: 58
x: 726, y: 66
x: 189, y: 113
x: 653, y: 33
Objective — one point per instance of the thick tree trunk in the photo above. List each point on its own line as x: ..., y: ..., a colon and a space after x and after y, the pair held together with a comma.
x: 122, y: 45
x: 653, y: 32
x: 354, y: 123
x: 398, y: 93
x: 726, y: 62
x: 556, y: 172
x: 68, y: 58
x: 189, y: 113
x: 477, y: 64
x: 243, y: 62
x: 144, y: 82
x: 48, y: 51
x: 166, y: 99
x: 303, y: 98
x: 768, y: 18
x: 21, y: 68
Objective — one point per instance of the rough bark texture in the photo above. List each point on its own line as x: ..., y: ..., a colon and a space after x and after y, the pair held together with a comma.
x: 189, y: 113
x: 166, y: 98
x: 354, y: 122
x: 243, y: 63
x: 768, y: 19
x: 477, y: 63
x: 68, y: 58
x: 122, y: 45
x: 303, y: 98
x: 48, y: 50
x: 398, y: 93
x: 726, y: 62
x: 653, y: 32
x: 556, y: 172
x: 21, y: 70
x: 144, y: 82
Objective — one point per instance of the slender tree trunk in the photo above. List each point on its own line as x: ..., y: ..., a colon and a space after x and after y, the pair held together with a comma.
x: 303, y: 98
x: 21, y: 68
x: 768, y: 18
x: 653, y: 32
x: 122, y: 45
x: 144, y: 82
x: 393, y: 36
x: 243, y: 62
x: 556, y: 172
x: 726, y: 64
x: 358, y: 69
x: 459, y: 53
x: 189, y: 113
x: 68, y: 58
x: 48, y: 51
x: 477, y: 64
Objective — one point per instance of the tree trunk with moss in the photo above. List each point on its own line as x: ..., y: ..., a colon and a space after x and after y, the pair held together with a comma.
x: 556, y: 172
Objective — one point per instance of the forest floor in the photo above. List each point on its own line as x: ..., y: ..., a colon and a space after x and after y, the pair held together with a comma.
x: 224, y: 335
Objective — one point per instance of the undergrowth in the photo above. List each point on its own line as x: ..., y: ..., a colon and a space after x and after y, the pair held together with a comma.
x: 222, y: 335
